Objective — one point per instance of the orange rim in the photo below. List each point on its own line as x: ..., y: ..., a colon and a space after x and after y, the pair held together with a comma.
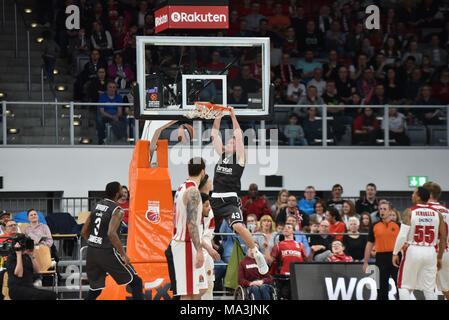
x: 213, y: 106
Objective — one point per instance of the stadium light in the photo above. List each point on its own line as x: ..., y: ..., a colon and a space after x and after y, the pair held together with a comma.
x: 67, y: 106
x: 85, y: 141
x: 28, y: 10
x: 55, y: 71
x: 3, y: 95
x: 13, y: 130
x: 77, y: 123
x: 39, y: 39
x: 33, y: 25
x: 61, y: 88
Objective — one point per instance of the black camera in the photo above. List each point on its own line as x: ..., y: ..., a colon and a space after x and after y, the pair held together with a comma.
x: 8, y: 246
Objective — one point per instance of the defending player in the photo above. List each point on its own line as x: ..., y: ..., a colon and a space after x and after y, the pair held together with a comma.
x: 186, y: 246
x: 442, y: 274
x: 228, y: 172
x: 421, y: 228
x: 105, y: 254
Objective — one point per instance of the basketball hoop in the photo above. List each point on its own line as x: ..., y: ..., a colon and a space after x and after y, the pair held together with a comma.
x: 206, y: 110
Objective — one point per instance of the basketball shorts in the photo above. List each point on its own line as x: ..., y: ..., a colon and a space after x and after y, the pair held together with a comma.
x: 100, y: 262
x: 189, y: 280
x: 443, y: 273
x: 418, y: 269
x: 227, y: 206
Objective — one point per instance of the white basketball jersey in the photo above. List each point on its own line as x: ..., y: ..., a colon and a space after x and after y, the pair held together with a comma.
x: 181, y: 231
x: 424, y: 226
x: 444, y: 213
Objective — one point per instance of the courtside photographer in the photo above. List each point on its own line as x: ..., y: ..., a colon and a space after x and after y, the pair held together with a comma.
x: 21, y: 266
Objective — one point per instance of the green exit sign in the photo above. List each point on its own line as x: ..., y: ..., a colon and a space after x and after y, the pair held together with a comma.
x: 416, y: 181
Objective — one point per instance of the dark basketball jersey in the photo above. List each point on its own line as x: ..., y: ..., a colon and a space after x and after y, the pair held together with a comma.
x: 99, y: 224
x: 227, y: 174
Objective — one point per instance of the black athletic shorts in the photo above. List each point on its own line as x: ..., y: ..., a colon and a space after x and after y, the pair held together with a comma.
x: 227, y: 207
x: 101, y: 262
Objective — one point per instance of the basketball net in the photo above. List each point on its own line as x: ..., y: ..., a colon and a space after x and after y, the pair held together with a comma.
x: 206, y: 110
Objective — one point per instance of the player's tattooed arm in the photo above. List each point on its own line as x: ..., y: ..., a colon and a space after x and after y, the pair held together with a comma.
x: 407, y: 213
x: 193, y: 199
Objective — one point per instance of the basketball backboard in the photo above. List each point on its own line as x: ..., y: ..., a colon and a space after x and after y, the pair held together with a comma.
x: 173, y: 72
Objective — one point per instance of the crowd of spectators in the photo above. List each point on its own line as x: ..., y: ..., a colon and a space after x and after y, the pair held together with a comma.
x: 321, y: 53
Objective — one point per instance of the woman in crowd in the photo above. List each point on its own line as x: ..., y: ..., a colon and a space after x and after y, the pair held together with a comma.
x: 354, y: 242
x: 348, y: 211
x: 365, y: 222
x: 319, y: 207
x: 38, y: 231
x: 335, y: 223
x: 265, y: 230
x: 395, y: 215
x: 280, y: 203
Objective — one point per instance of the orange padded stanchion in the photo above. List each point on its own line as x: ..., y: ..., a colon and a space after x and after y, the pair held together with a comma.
x: 150, y: 223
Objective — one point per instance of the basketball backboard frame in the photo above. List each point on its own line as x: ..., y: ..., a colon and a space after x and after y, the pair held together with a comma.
x: 177, y: 113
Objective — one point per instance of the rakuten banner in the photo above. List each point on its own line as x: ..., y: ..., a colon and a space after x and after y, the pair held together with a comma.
x: 192, y: 17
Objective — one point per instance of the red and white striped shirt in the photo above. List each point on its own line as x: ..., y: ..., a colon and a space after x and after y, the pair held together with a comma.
x: 181, y: 231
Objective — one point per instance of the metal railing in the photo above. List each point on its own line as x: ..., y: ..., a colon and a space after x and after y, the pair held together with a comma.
x: 384, y: 118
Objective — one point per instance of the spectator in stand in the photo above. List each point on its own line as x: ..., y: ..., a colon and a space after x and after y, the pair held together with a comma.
x: 295, y: 89
x: 89, y: 72
x: 444, y: 36
x: 383, y: 235
x: 290, y: 42
x: 438, y: 56
x: 394, y: 89
x: 234, y: 23
x: 441, y: 88
x: 324, y: 19
x: 413, y: 85
x: 63, y: 35
x: 391, y: 50
x: 356, y: 70
x: 395, y: 215
x: 330, y: 68
x: 335, y: 223
x: 294, y: 132
x: 264, y: 232
x: 367, y: 49
x: 101, y: 40
x: 369, y: 203
x: 354, y: 40
x: 98, y: 14
x: 254, y: 17
x: 279, y: 22
x: 299, y: 234
x: 307, y: 203
x: 366, y: 85
x: 39, y: 232
x: 97, y: 86
x: 379, y: 98
x: 336, y: 201
x: 319, y: 208
x: 249, y: 277
x: 365, y: 128
x: 244, y: 8
x: 243, y: 31
x: 139, y: 17
x: 110, y: 114
x: 121, y: 73
x: 353, y: 242
x: 321, y: 243
x: 286, y: 70
x: 298, y: 22
x: 413, y: 51
x: 308, y: 65
x: 79, y: 47
x: 228, y: 241
x: 11, y: 230
x: 397, y: 127
x: 267, y: 8
x: 125, y: 39
x: 292, y: 209
x: 312, y: 127
x: 129, y: 54
x: 311, y: 39
x: 335, y: 38
x: 338, y: 252
x: 427, y: 116
x: 311, y: 98
x: 380, y: 66
x: 253, y: 203
x: 251, y: 222
x: 247, y: 81
x: 123, y: 203
x: 4, y: 218
x: 318, y: 81
x: 280, y: 203
x: 427, y: 69
x: 348, y: 18
x: 50, y: 52
x: 348, y: 211
x: 365, y: 222
x: 346, y: 87
x: 237, y: 96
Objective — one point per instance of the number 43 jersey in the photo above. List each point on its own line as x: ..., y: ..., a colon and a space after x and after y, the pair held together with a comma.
x: 99, y: 224
x: 424, y: 226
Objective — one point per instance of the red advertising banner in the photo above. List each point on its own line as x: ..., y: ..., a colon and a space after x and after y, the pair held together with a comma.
x: 192, y: 17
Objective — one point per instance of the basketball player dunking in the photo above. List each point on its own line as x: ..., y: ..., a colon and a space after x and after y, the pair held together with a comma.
x: 225, y: 201
x: 421, y: 231
x: 443, y: 273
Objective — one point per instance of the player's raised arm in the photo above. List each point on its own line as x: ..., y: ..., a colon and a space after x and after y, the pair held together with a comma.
x: 155, y: 138
x: 238, y: 135
x: 192, y: 198
x: 215, y: 135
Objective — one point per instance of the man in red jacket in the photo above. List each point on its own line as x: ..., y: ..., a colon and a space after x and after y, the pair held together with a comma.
x: 252, y: 203
x: 250, y: 277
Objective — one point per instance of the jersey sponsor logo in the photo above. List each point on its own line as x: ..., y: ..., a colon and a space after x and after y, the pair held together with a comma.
x: 101, y: 207
x: 293, y: 253
x: 224, y: 170
x: 95, y: 239
x: 251, y: 266
x: 153, y: 212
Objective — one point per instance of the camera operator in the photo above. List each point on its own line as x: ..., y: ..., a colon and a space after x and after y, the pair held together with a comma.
x: 21, y: 265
